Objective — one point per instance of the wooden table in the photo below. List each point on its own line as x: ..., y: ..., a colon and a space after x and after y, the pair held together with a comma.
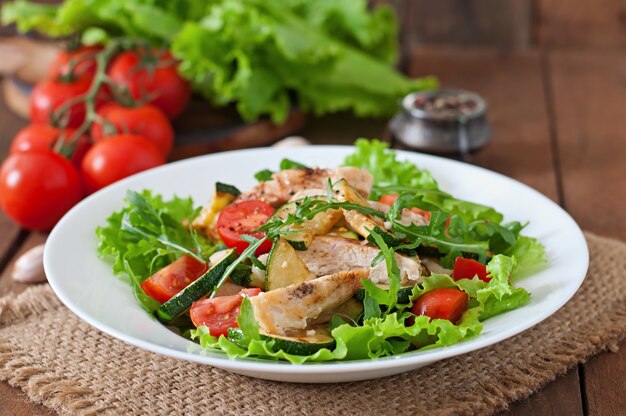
x: 559, y: 123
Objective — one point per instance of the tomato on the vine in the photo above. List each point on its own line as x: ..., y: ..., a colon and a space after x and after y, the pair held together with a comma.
x: 44, y: 137
x: 38, y: 187
x: 77, y: 63
x: 145, y: 120
x: 50, y: 95
x: 244, y: 218
x: 116, y: 158
x: 152, y: 74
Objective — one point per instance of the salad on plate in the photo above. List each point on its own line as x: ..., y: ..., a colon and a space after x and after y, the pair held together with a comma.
x: 360, y: 261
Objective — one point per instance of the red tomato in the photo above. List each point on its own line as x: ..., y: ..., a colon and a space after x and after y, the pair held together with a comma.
x: 468, y: 268
x: 244, y: 218
x: 43, y: 137
x: 445, y: 303
x: 37, y: 188
x: 170, y: 280
x: 50, y: 95
x: 146, y: 120
x: 116, y: 158
x: 153, y: 75
x: 389, y: 199
x: 78, y: 63
x: 219, y: 313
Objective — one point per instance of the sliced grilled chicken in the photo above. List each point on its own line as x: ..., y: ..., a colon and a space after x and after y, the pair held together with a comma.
x: 292, y: 308
x: 330, y: 254
x: 286, y: 183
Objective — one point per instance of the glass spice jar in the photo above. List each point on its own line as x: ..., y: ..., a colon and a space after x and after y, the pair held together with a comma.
x: 442, y: 121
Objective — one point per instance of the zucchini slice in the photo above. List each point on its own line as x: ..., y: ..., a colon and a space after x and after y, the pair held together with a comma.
x: 303, y: 342
x: 363, y: 224
x: 224, y: 195
x: 352, y: 308
x: 284, y: 267
x: 195, y: 290
x: 404, y: 293
x: 321, y: 224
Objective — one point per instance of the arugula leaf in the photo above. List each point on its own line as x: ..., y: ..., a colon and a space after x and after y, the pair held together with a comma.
x: 291, y: 164
x: 263, y: 175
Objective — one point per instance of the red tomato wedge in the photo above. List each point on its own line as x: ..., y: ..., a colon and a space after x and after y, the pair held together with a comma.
x: 244, y: 218
x: 468, y: 268
x: 389, y: 199
x: 444, y: 303
x: 220, y: 313
x: 170, y: 280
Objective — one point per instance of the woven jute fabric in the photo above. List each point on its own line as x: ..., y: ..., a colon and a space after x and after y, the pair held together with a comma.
x: 59, y: 361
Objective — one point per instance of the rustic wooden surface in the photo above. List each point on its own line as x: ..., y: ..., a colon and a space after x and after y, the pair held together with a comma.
x: 559, y: 123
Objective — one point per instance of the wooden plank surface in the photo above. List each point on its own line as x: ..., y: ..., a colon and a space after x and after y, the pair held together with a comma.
x: 588, y: 92
x: 598, y: 24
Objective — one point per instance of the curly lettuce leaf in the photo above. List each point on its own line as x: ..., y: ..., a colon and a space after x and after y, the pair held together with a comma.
x: 147, y: 235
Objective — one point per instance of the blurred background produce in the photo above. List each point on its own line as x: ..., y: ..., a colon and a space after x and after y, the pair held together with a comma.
x: 126, y: 67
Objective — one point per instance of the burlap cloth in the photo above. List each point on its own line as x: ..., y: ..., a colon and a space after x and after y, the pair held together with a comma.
x: 68, y: 366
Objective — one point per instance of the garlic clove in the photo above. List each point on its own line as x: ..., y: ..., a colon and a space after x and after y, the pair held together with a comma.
x: 28, y: 267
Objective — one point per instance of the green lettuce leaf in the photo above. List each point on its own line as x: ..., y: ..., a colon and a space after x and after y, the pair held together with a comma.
x: 147, y: 235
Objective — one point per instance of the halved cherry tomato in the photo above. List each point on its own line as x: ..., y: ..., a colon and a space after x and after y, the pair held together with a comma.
x: 43, y: 137
x: 444, y: 303
x: 244, y: 218
x: 170, y: 280
x: 468, y: 268
x: 220, y: 313
x: 389, y: 199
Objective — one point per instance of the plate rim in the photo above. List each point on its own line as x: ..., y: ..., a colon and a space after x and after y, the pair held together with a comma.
x: 280, y: 367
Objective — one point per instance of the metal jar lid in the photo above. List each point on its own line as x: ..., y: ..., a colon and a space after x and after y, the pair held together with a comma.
x: 442, y: 121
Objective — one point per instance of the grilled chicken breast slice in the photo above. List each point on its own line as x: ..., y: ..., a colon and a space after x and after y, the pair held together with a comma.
x: 291, y: 308
x: 288, y: 182
x: 331, y: 254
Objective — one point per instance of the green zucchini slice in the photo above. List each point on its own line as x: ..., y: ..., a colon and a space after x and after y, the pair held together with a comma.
x: 195, y: 290
x: 284, y: 267
x: 304, y: 342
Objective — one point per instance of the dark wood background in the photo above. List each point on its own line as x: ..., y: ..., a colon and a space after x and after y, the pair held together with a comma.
x: 554, y: 75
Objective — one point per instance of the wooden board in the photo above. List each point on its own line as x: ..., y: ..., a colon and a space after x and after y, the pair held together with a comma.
x: 598, y: 24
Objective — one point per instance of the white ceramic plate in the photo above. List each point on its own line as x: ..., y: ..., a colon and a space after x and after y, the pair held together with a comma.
x: 88, y: 287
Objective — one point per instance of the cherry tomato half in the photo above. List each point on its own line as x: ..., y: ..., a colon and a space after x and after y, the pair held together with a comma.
x: 77, y: 63
x: 146, y: 120
x: 244, y: 218
x: 220, y: 313
x: 116, y: 158
x: 468, y: 268
x: 38, y: 187
x: 44, y: 137
x: 444, y: 303
x: 170, y: 280
x: 152, y: 74
x: 50, y: 95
